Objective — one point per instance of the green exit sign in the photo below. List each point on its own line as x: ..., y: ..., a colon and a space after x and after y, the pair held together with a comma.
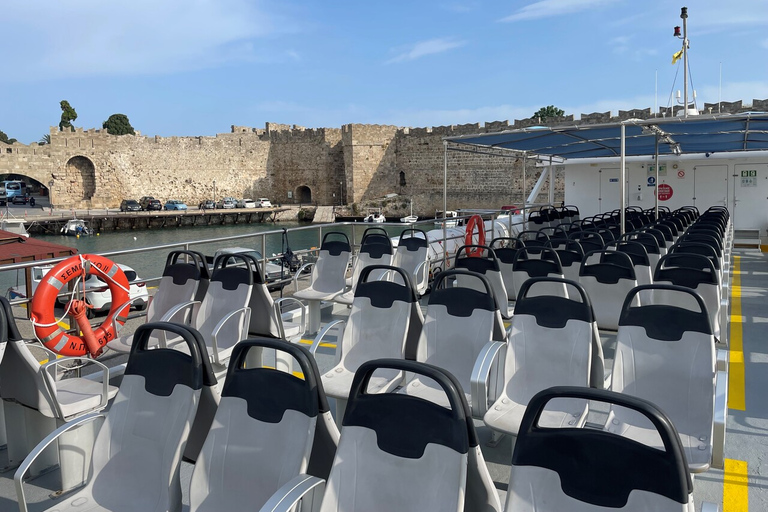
x: 749, y: 174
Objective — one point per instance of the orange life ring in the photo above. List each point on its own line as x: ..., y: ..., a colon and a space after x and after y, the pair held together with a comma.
x: 92, y: 341
x: 475, y: 221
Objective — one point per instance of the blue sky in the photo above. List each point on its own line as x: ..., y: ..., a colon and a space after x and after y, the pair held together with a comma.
x: 195, y: 67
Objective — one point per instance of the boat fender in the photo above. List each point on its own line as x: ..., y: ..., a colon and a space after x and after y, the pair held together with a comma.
x: 475, y: 222
x: 92, y: 341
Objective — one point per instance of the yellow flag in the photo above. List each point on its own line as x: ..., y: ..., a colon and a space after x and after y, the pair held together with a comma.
x: 677, y: 56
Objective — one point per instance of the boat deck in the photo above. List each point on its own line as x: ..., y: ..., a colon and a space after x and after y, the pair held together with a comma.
x: 739, y: 487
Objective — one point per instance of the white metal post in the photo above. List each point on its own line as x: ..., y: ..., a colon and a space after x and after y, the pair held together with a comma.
x: 623, y: 175
x: 445, y: 204
x: 551, y: 182
x: 656, y: 189
x: 525, y: 223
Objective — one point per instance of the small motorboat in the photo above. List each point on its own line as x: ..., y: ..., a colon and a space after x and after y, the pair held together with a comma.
x: 375, y: 215
x: 410, y: 218
x: 76, y: 227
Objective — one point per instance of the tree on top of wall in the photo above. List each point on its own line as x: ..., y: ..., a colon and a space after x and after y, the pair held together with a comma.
x: 4, y: 138
x: 118, y: 124
x: 45, y: 139
x: 68, y: 115
x: 549, y: 112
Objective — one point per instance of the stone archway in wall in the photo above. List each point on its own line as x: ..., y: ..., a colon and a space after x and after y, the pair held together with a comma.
x: 303, y: 194
x: 81, y: 178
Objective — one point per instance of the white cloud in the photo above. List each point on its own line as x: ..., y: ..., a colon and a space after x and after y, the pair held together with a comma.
x: 424, y: 48
x: 91, y: 37
x: 551, y: 8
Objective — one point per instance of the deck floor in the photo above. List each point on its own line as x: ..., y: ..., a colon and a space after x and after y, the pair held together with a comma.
x: 741, y: 486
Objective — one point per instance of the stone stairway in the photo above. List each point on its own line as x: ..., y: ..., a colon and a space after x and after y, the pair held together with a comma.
x: 324, y: 214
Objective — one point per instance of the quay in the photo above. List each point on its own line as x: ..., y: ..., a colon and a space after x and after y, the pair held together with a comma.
x: 47, y: 221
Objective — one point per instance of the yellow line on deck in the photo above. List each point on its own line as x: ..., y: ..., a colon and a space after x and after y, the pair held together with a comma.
x: 735, y: 486
x: 309, y: 342
x: 736, y: 395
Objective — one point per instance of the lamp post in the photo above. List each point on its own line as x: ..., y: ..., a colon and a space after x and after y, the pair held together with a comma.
x: 50, y: 195
x: 341, y: 193
x: 214, y: 194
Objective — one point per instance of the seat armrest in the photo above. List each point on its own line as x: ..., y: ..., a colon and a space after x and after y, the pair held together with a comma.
x: 245, y: 312
x: 421, y: 268
x: 36, y: 345
x: 721, y: 413
x: 18, y: 477
x: 290, y: 493
x: 298, y: 273
x: 178, y: 307
x: 279, y: 313
x: 481, y: 373
x: 50, y: 382
x: 319, y: 338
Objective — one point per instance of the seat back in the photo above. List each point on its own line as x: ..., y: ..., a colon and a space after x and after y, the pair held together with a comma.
x: 589, y: 240
x: 21, y: 378
x: 665, y: 353
x: 639, y: 256
x: 263, y: 431
x: 178, y: 284
x: 138, y: 448
x: 607, y: 283
x: 229, y: 290
x: 412, y: 255
x: 651, y: 244
x: 379, y: 319
x: 582, y: 470
x: 375, y: 249
x: 328, y: 273
x: 264, y: 319
x: 548, y: 265
x: 487, y: 265
x: 506, y: 249
x: 460, y: 320
x: 697, y: 273
x: 570, y: 254
x: 551, y: 341
x: 399, y: 452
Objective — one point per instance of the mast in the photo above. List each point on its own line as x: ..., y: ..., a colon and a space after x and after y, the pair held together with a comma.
x: 684, y: 16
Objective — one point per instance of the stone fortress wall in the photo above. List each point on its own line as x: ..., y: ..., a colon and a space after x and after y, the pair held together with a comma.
x: 291, y: 164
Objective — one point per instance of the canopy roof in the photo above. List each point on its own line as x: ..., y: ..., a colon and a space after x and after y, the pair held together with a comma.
x: 677, y: 135
x: 17, y: 249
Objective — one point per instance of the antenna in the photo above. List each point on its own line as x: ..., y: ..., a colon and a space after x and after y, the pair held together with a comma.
x: 656, y: 96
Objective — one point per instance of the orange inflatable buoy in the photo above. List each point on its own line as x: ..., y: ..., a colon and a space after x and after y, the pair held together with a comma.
x: 475, y: 222
x: 92, y: 341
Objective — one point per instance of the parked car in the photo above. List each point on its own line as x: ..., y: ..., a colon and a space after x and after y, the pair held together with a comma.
x: 173, y: 204
x: 98, y: 295
x: 276, y: 277
x: 207, y: 204
x: 19, y: 199
x: 130, y: 205
x: 226, y: 203
x: 150, y: 203
x: 246, y: 203
x: 263, y: 202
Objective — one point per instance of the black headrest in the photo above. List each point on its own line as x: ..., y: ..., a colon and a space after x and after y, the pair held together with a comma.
x: 335, y: 247
x: 598, y: 467
x: 538, y: 267
x: 404, y: 424
x: 232, y: 277
x: 552, y: 311
x: 412, y: 243
x: 383, y: 294
x: 180, y: 273
x: 269, y: 392
x: 666, y: 322
x: 164, y: 368
x: 462, y: 302
x: 376, y: 245
x: 619, y: 267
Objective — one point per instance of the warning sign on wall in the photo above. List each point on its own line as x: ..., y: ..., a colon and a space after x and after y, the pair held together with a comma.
x: 665, y: 192
x: 681, y: 174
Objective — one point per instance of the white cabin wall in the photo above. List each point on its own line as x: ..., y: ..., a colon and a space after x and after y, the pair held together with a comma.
x: 702, y: 182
